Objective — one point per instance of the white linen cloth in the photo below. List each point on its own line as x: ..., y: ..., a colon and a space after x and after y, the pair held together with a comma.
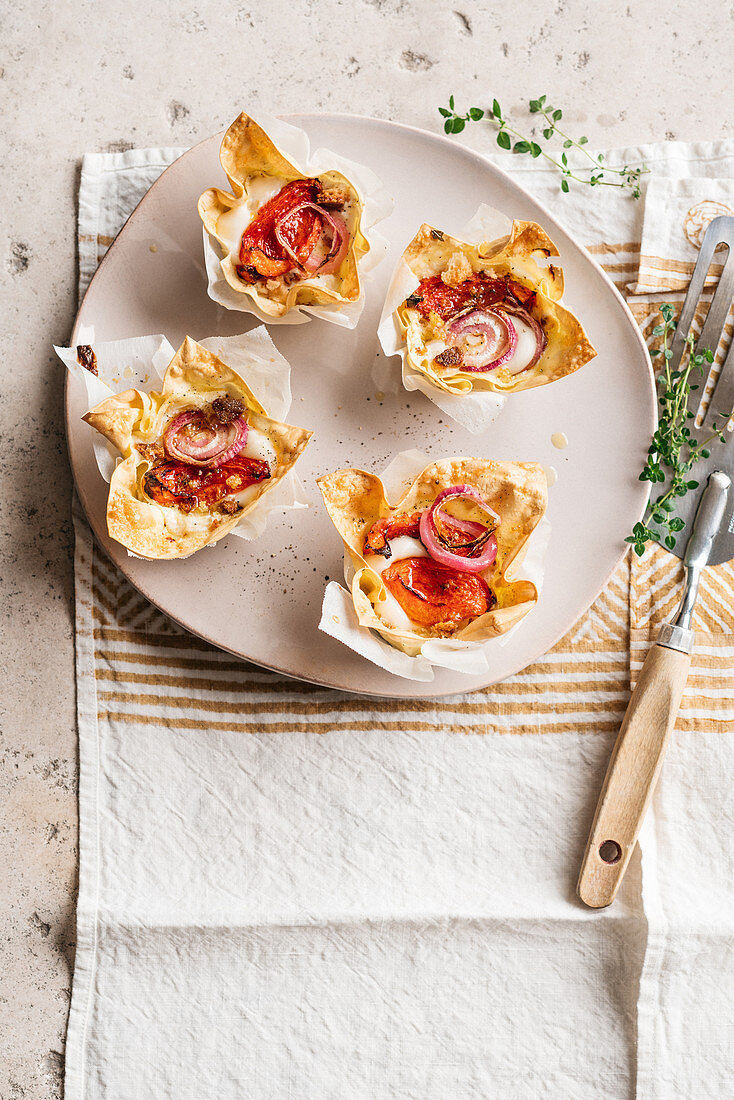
x: 385, y: 909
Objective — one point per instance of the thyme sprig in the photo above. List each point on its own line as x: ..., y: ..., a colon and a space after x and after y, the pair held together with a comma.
x: 673, y: 451
x: 595, y: 175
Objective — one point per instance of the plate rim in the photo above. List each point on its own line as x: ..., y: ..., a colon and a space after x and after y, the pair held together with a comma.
x: 493, y: 168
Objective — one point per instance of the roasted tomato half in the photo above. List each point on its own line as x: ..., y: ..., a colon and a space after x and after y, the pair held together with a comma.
x: 478, y: 292
x: 262, y: 256
x: 432, y: 594
x: 186, y: 486
x: 379, y: 533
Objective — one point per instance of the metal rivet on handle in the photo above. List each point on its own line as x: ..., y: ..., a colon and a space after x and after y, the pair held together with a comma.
x: 610, y: 851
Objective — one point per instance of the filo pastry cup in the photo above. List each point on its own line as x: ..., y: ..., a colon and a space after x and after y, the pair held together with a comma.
x: 135, y: 420
x: 257, y: 169
x: 517, y: 491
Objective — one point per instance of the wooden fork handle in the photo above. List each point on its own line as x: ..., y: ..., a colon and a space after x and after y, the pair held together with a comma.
x: 632, y: 773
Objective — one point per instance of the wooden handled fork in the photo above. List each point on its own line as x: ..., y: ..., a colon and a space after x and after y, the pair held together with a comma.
x: 638, y: 753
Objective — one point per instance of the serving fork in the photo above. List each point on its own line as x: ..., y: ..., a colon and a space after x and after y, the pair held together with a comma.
x: 708, y: 513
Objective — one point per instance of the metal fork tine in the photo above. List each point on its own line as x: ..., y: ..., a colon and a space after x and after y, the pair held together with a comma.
x: 711, y: 239
x: 722, y: 398
x: 720, y: 457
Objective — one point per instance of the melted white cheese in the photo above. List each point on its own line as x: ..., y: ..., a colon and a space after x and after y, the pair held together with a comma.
x: 247, y: 494
x: 259, y: 446
x: 392, y: 614
x: 180, y: 523
x: 401, y: 547
x: 389, y: 610
x: 525, y: 349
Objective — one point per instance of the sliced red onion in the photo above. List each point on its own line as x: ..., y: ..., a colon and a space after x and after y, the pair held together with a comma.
x: 468, y: 527
x: 540, y: 337
x: 316, y: 261
x: 485, y: 540
x: 205, y: 445
x: 499, y: 339
x: 339, y: 244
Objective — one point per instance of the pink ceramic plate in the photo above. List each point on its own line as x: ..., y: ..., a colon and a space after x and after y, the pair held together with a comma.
x: 262, y: 600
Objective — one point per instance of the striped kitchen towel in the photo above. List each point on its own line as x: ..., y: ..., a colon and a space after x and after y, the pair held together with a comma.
x: 387, y: 909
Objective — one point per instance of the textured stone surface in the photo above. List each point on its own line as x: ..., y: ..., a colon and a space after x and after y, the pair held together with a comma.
x: 88, y: 76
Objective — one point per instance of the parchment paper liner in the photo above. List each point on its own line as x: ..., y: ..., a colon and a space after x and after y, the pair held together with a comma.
x: 140, y: 363
x: 341, y: 620
x: 471, y: 400
x: 291, y: 151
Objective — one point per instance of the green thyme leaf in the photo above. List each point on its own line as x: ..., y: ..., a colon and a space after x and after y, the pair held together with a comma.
x: 673, y: 451
x: 591, y: 170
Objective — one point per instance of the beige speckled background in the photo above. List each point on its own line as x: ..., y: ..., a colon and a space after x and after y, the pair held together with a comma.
x: 107, y: 75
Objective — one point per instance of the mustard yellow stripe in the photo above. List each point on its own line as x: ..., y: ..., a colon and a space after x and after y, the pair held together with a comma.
x: 184, y: 663
x: 131, y: 604
x: 102, y: 565
x: 356, y: 706
x: 186, y: 683
x: 102, y: 599
x: 605, y: 662
x: 629, y: 267
x: 145, y: 638
x: 580, y: 726
x: 599, y: 249
x: 515, y: 686
x: 104, y: 582
x: 184, y: 641
x: 661, y: 263
x: 673, y: 283
x: 694, y: 725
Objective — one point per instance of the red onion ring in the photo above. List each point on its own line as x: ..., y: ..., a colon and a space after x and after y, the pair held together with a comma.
x: 210, y: 446
x: 314, y: 263
x: 431, y: 537
x: 540, y: 337
x: 499, y: 339
x: 468, y: 527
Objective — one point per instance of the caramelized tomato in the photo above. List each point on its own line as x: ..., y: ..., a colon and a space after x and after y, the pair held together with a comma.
x: 390, y: 528
x: 261, y: 253
x: 478, y: 292
x: 432, y: 594
x: 187, y: 486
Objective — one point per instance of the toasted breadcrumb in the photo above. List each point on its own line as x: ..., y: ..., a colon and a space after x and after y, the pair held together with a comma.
x: 332, y: 196
x: 451, y: 357
x: 153, y: 452
x: 458, y: 270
